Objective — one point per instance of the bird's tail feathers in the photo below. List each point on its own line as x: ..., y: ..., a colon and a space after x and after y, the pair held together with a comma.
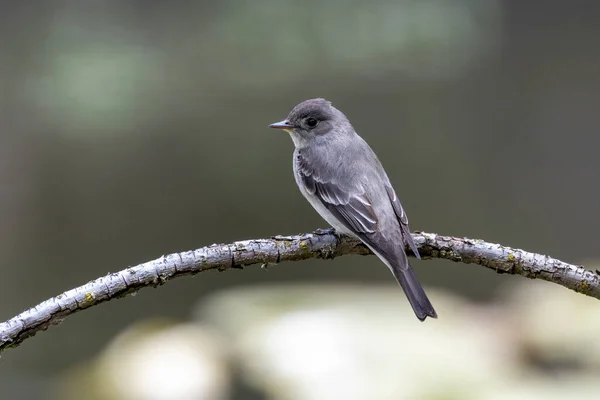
x: 414, y: 291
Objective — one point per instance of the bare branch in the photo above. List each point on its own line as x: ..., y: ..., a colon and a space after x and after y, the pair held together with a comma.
x: 285, y: 248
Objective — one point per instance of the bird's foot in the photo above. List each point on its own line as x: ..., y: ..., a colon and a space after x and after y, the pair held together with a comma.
x: 327, y: 231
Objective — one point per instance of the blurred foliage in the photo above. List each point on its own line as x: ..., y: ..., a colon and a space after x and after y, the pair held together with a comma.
x: 326, y: 342
x: 130, y: 129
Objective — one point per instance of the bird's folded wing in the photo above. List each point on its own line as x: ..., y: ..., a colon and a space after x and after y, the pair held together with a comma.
x: 402, y: 219
x: 351, y: 206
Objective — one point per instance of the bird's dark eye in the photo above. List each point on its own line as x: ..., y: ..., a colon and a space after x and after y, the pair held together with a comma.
x: 311, y: 122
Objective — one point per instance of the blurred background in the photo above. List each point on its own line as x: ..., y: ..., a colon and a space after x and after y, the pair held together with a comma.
x: 130, y: 129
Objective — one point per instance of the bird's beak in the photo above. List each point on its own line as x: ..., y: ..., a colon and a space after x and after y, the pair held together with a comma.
x: 282, y: 125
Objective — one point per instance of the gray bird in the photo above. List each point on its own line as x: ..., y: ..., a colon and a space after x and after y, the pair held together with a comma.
x: 342, y: 178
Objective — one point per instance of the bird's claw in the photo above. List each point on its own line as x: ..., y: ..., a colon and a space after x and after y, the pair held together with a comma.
x: 327, y: 231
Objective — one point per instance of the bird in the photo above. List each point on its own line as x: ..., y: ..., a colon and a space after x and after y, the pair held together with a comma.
x: 342, y: 178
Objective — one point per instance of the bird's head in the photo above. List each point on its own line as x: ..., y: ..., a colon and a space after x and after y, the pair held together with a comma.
x: 313, y: 120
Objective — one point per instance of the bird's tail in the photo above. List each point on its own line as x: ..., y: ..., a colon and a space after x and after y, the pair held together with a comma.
x: 412, y: 288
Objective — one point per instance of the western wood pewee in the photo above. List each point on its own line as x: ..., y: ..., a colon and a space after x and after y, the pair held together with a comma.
x: 344, y: 181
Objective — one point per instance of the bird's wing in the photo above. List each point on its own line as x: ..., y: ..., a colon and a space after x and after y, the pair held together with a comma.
x: 402, y: 219
x: 351, y: 205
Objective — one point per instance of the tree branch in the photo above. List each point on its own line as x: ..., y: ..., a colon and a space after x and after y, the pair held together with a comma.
x: 285, y: 248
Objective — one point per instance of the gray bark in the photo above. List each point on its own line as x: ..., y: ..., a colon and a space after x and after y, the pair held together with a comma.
x: 222, y: 257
